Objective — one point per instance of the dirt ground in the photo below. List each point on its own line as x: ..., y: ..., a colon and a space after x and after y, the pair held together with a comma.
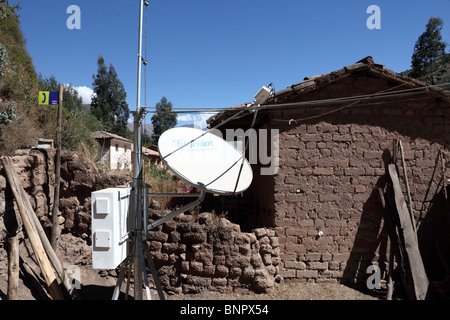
x: 99, y: 285
x: 96, y: 287
x: 288, y: 291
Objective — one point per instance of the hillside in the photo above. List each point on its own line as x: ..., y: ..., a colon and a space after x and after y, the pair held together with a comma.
x: 148, y: 128
x: 22, y: 120
x: 20, y: 117
x: 18, y: 80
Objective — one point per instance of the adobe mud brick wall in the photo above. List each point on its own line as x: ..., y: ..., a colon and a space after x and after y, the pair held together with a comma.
x: 211, y: 253
x: 330, y: 167
x: 36, y: 174
x: 36, y: 170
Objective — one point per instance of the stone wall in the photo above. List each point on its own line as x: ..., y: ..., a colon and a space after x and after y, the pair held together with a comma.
x: 193, y: 254
x: 78, y: 180
x: 35, y: 174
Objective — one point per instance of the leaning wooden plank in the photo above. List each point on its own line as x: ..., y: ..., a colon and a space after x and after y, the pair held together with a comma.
x: 41, y: 256
x: 409, y: 238
x: 48, y: 247
x: 28, y: 272
x: 13, y: 267
x: 408, y: 192
x: 391, y: 219
x: 394, y: 248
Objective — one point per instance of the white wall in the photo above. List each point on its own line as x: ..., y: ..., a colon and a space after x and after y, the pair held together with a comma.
x: 121, y: 155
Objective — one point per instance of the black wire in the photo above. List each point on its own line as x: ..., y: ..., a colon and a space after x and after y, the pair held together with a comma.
x: 391, y: 94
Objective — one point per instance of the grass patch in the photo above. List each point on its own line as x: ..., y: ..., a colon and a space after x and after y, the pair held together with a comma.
x: 161, y: 181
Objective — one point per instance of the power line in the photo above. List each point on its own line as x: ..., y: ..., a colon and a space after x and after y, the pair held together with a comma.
x: 317, y: 103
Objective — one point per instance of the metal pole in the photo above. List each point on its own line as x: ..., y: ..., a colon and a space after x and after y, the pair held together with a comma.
x: 137, y: 210
x: 177, y: 212
x: 141, y: 13
x: 137, y: 174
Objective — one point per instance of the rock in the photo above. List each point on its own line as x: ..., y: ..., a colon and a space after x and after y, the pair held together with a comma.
x: 219, y: 282
x: 174, y: 237
x: 278, y: 279
x: 256, y: 260
x: 248, y: 274
x: 262, y: 281
x: 204, y: 217
x: 221, y: 271
x: 169, y: 247
x: 157, y: 236
x: 260, y: 232
x: 193, y: 237
x: 155, y: 204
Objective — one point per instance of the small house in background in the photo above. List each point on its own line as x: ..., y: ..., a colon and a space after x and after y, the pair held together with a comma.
x: 115, y: 151
x: 151, y: 154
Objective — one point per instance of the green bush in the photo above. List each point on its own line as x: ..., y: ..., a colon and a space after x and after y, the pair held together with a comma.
x: 7, y: 116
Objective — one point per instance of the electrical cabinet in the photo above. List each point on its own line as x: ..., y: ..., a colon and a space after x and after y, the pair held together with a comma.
x: 110, y: 209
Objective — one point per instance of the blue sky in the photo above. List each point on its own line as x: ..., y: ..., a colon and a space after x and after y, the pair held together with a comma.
x: 209, y: 53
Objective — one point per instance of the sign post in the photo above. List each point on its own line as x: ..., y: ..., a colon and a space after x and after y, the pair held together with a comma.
x: 49, y: 98
x: 55, y: 225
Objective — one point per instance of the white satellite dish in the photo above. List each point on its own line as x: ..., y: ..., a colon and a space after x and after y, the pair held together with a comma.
x: 205, y: 160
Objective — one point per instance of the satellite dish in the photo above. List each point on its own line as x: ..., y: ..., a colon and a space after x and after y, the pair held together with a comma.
x: 205, y: 160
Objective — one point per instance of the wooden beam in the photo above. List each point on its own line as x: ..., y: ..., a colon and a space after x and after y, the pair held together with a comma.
x: 408, y: 192
x: 28, y: 272
x: 41, y: 256
x: 13, y: 267
x: 408, y: 239
x: 48, y: 247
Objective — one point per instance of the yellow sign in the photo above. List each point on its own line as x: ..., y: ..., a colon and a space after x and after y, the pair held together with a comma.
x: 44, y: 97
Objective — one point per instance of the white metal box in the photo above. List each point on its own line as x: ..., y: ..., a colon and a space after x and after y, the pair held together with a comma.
x: 110, y: 209
x: 263, y: 94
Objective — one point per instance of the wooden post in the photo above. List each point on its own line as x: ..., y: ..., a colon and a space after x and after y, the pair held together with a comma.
x: 444, y: 181
x: 390, y: 284
x: 408, y: 192
x: 13, y: 267
x: 418, y: 280
x: 12, y: 244
x: 55, y: 227
x: 394, y: 244
x: 41, y: 256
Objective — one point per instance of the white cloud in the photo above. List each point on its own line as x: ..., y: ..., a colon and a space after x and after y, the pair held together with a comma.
x: 198, y: 119
x: 185, y: 117
x: 85, y: 93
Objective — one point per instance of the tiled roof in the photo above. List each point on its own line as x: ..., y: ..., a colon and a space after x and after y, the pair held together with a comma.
x: 108, y: 135
x: 314, y: 82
